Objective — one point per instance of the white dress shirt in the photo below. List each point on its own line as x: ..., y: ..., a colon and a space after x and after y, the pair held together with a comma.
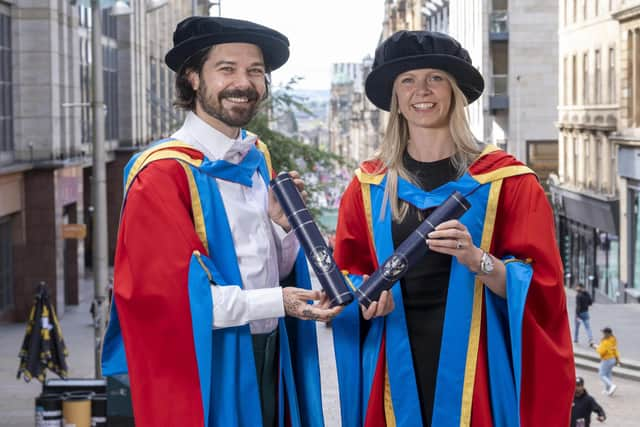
x: 265, y: 252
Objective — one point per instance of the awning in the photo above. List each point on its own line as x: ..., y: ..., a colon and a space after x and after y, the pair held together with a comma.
x: 590, y: 211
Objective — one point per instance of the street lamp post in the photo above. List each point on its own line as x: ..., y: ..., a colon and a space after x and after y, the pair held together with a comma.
x: 98, y: 186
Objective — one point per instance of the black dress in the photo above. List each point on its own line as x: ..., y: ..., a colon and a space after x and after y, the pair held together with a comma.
x: 424, y: 287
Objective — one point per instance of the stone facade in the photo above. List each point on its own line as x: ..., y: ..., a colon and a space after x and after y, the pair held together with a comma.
x: 344, y: 78
x: 627, y: 139
x: 45, y: 163
x: 514, y: 45
x: 595, y: 118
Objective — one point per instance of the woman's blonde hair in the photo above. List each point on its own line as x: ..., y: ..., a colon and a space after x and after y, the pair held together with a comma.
x: 396, y: 138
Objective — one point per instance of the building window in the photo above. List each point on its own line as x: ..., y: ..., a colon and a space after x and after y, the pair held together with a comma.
x: 598, y: 181
x: 165, y: 106
x: 153, y: 89
x: 584, y: 9
x: 631, y: 96
x: 597, y: 78
x: 574, y: 80
x: 585, y: 79
x: 109, y: 28
x: 586, y: 165
x: 565, y: 157
x: 613, y: 168
x: 576, y: 159
x: 6, y: 86
x: 613, y: 268
x: 565, y: 83
x: 635, y: 237
x: 6, y: 264
x: 611, y: 85
x: 110, y: 77
x: 86, y: 120
x: 84, y: 16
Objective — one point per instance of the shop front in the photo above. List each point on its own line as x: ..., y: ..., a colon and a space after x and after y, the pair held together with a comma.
x: 589, y: 241
x: 629, y: 171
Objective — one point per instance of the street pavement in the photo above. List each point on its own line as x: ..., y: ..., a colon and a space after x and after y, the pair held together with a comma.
x: 17, y: 397
x: 624, y: 319
x: 621, y: 408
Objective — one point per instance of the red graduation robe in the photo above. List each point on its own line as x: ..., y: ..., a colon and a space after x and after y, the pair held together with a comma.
x: 523, y: 228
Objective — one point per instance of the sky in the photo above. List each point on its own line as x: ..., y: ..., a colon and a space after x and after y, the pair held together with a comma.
x: 320, y: 33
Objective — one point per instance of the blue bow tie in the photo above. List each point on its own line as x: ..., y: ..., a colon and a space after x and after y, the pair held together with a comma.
x: 240, y: 173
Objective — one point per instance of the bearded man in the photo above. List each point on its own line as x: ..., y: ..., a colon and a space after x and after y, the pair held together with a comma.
x: 196, y: 319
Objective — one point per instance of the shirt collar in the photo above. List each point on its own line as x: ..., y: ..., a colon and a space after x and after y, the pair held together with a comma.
x: 214, y: 144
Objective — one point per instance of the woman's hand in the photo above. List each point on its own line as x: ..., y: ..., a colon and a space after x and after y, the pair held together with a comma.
x: 452, y: 238
x: 382, y: 307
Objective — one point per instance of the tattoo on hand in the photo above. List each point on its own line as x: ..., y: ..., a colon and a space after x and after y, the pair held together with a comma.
x: 308, y: 314
x: 290, y: 305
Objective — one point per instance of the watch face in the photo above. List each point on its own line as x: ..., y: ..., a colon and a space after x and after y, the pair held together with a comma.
x: 486, y: 265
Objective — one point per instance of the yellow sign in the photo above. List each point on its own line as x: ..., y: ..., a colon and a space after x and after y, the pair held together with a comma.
x: 74, y: 231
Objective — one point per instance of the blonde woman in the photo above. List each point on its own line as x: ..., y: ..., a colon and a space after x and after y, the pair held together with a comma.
x: 476, y: 333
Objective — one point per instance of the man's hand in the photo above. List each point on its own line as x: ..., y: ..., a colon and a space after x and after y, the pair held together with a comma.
x: 296, y: 305
x: 601, y: 418
x: 276, y: 213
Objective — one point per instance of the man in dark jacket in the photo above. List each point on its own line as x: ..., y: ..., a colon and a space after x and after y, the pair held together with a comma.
x: 583, y: 301
x: 583, y: 405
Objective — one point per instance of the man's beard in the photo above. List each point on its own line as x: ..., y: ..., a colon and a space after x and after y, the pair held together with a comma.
x: 234, y: 116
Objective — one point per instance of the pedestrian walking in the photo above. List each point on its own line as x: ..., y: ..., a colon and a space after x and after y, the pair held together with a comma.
x: 583, y: 302
x: 583, y: 406
x: 609, y: 357
x: 442, y: 356
x: 202, y: 245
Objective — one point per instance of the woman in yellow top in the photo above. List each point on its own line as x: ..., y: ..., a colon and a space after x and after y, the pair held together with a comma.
x: 609, y: 357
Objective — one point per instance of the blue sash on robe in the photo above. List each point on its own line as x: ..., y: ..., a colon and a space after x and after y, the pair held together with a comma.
x: 504, y: 321
x: 345, y: 330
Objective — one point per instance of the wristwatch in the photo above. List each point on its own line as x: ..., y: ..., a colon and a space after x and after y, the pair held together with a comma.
x: 486, y: 263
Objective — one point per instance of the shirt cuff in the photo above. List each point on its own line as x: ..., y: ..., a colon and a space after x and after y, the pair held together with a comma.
x: 234, y: 306
x: 265, y: 303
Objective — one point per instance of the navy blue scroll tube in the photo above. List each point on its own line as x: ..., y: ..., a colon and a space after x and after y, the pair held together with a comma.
x: 411, y: 250
x: 312, y: 242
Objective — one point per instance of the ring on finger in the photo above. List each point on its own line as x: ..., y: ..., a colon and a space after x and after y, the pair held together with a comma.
x: 458, y: 244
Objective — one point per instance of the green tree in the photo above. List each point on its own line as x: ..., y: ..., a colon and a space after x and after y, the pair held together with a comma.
x: 289, y: 153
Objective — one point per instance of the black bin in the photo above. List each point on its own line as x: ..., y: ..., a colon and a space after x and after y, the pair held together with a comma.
x: 48, y: 410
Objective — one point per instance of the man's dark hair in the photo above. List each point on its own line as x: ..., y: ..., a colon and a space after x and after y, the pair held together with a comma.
x: 185, y: 95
